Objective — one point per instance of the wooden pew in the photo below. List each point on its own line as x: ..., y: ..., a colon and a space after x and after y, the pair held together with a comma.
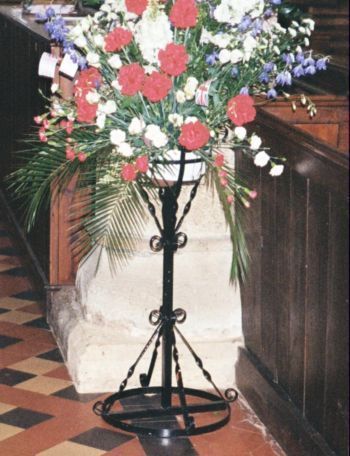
x: 294, y: 370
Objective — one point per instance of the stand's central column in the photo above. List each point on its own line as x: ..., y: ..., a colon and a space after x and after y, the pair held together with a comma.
x: 169, y: 209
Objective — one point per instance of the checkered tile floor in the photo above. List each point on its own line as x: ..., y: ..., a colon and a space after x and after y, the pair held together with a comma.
x: 42, y: 414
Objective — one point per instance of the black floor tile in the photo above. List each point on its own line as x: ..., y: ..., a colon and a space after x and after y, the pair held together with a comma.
x: 181, y: 446
x: 2, y: 311
x: 103, y: 439
x: 28, y: 295
x: 5, y: 341
x: 71, y: 393
x: 12, y: 377
x: 52, y: 355
x: 16, y: 272
x: 23, y: 418
x: 38, y: 323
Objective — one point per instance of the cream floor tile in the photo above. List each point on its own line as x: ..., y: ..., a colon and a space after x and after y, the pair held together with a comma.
x: 16, y: 316
x: 14, y: 303
x: 44, y: 385
x: 36, y: 366
x: 71, y: 449
x: 7, y: 431
x: 6, y: 408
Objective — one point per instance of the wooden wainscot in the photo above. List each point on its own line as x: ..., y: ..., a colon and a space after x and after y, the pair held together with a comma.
x: 294, y: 367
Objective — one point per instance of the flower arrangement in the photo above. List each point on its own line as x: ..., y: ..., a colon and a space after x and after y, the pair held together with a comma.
x: 157, y: 77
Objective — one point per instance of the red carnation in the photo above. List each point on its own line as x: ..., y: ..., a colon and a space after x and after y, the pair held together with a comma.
x: 86, y: 112
x: 156, y: 87
x: 131, y: 78
x: 88, y: 79
x: 184, y: 14
x: 194, y: 135
x: 219, y: 160
x: 70, y: 153
x: 142, y: 164
x: 128, y: 172
x: 117, y: 39
x: 240, y: 110
x: 136, y: 6
x: 173, y: 59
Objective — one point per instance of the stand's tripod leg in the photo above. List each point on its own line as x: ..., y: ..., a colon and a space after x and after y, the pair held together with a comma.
x: 189, y: 421
x: 145, y: 379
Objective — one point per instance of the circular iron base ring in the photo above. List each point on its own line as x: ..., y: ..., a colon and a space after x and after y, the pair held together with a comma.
x: 118, y: 419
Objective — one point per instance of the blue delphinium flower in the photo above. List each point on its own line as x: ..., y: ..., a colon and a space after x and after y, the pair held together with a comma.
x: 309, y: 61
x: 268, y: 67
x: 311, y: 69
x: 288, y: 58
x: 271, y: 94
x: 298, y: 71
x: 321, y: 64
x: 212, y: 58
x: 264, y: 78
x: 235, y: 72
x: 245, y: 24
x: 284, y: 78
x: 300, y: 58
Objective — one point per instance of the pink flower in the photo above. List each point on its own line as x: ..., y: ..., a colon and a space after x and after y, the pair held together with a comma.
x: 82, y: 157
x: 240, y: 110
x: 230, y: 199
x: 128, y: 172
x: 194, y: 135
x: 173, y: 59
x: 156, y: 87
x: 253, y: 194
x: 131, y: 79
x: 184, y: 14
x: 224, y: 181
x: 117, y: 39
x: 136, y: 6
x: 142, y: 164
x: 37, y: 120
x: 42, y: 135
x: 70, y: 154
x: 219, y: 160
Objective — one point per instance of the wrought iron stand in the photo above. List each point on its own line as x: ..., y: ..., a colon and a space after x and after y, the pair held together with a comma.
x: 166, y: 321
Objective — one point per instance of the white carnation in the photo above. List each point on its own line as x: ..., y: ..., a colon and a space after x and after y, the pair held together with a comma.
x: 99, y: 40
x: 261, y: 159
x: 101, y: 120
x: 93, y: 59
x: 276, y: 170
x: 136, y: 126
x: 255, y: 142
x: 155, y: 135
x: 115, y: 61
x: 224, y: 56
x: 233, y: 11
x: 80, y: 41
x: 240, y: 133
x: 125, y: 149
x: 176, y: 119
x: 180, y: 96
x: 109, y: 107
x: 236, y: 56
x: 117, y: 137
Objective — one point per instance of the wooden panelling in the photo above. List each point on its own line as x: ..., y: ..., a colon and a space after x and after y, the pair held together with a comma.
x: 20, y: 51
x: 299, y: 387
